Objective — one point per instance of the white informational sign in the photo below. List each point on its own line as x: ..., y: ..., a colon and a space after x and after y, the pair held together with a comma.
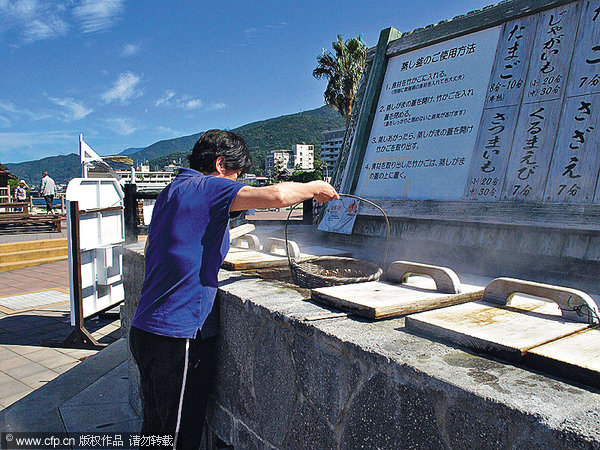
x: 427, y: 117
x: 102, y: 234
x: 340, y: 215
x: 147, y: 209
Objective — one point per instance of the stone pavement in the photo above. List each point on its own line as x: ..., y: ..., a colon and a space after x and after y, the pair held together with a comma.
x: 48, y: 388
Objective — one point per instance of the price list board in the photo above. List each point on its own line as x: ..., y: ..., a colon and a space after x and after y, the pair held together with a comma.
x: 510, y: 112
x: 427, y: 119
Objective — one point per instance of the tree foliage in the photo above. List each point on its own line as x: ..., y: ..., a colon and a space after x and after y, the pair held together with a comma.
x: 306, y: 175
x: 342, y: 68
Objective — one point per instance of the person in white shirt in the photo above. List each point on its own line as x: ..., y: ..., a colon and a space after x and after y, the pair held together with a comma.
x: 48, y: 190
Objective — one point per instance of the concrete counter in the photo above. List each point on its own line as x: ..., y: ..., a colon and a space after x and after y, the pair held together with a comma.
x: 286, y: 382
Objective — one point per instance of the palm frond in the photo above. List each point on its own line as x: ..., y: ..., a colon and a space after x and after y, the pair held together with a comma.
x: 343, y: 69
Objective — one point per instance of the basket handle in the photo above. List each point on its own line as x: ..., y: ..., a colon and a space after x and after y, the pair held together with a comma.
x: 273, y: 243
x: 574, y: 304
x: 446, y: 280
x: 387, y: 223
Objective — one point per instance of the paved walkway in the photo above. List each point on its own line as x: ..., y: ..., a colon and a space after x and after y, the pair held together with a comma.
x: 10, y: 235
x: 34, y: 309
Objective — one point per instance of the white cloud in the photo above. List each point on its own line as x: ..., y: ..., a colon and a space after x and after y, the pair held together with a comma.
x: 216, y: 106
x: 38, y: 30
x: 130, y: 50
x: 15, y: 113
x: 4, y: 122
x: 33, y: 20
x: 171, y: 99
x: 165, y: 99
x: 121, y: 126
x: 24, y: 146
x: 75, y: 110
x: 8, y: 107
x: 191, y: 104
x: 170, y: 131
x: 124, y: 89
x: 98, y: 15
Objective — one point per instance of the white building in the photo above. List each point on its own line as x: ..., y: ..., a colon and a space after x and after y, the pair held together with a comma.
x: 303, y: 156
x: 300, y: 157
x: 330, y: 148
x: 279, y: 159
x: 146, y: 179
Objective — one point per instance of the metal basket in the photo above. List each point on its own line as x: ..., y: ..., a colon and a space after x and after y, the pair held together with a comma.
x: 325, y: 271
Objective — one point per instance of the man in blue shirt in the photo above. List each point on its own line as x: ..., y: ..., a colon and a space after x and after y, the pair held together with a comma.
x: 174, y: 328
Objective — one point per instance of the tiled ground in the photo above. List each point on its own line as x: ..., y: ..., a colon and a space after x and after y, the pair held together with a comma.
x: 26, y: 364
x: 37, y: 278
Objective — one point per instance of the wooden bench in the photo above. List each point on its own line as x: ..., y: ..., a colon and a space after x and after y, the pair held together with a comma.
x: 23, y: 207
x: 26, y: 219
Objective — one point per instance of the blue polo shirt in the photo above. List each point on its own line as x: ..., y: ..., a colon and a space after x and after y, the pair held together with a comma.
x: 187, y: 243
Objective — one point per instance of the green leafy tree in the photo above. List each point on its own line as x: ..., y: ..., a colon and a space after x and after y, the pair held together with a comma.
x: 306, y: 176
x: 343, y: 68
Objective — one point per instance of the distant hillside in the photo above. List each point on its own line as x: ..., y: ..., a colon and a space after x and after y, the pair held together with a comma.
x: 262, y: 136
x: 129, y: 151
x: 280, y: 132
x: 60, y: 168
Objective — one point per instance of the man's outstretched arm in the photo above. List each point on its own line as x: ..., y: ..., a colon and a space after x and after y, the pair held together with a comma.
x: 282, y: 194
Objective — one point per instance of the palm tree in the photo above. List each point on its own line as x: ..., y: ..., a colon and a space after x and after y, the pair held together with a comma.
x: 343, y: 69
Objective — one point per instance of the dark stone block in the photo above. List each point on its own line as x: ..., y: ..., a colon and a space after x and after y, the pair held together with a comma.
x: 309, y: 430
x: 468, y: 430
x: 419, y: 426
x: 234, y: 388
x: 374, y: 418
x: 274, y: 383
x: 325, y: 378
x: 220, y: 422
x: 247, y: 440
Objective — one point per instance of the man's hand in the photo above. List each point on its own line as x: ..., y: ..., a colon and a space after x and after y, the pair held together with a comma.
x: 324, y: 192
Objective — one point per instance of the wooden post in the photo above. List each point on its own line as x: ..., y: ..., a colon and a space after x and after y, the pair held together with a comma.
x: 130, y: 204
x: 307, y: 212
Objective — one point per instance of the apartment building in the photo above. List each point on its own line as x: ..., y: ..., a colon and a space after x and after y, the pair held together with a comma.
x: 330, y: 148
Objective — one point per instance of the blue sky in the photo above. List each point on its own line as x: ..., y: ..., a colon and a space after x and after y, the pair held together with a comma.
x: 127, y: 74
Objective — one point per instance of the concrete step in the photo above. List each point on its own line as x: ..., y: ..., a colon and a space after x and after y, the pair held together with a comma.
x: 13, y: 247
x: 19, y: 255
x: 33, y: 255
x: 5, y: 267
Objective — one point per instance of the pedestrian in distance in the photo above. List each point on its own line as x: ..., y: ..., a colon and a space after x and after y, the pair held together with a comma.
x: 48, y: 191
x: 21, y: 191
x: 175, y: 326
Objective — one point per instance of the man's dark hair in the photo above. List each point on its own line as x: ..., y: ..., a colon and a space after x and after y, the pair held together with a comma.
x: 215, y: 143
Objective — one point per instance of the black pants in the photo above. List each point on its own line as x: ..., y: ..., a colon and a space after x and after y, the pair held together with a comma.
x: 49, y: 199
x: 174, y: 395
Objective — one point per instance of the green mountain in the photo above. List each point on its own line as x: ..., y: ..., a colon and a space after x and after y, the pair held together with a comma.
x: 276, y: 133
x: 60, y: 168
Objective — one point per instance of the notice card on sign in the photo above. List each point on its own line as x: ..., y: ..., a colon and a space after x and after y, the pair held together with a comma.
x: 340, y: 215
x: 427, y: 117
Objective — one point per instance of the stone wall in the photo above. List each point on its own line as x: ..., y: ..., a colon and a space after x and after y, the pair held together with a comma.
x: 288, y: 382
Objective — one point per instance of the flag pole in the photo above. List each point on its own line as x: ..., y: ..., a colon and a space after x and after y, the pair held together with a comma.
x: 84, y: 172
